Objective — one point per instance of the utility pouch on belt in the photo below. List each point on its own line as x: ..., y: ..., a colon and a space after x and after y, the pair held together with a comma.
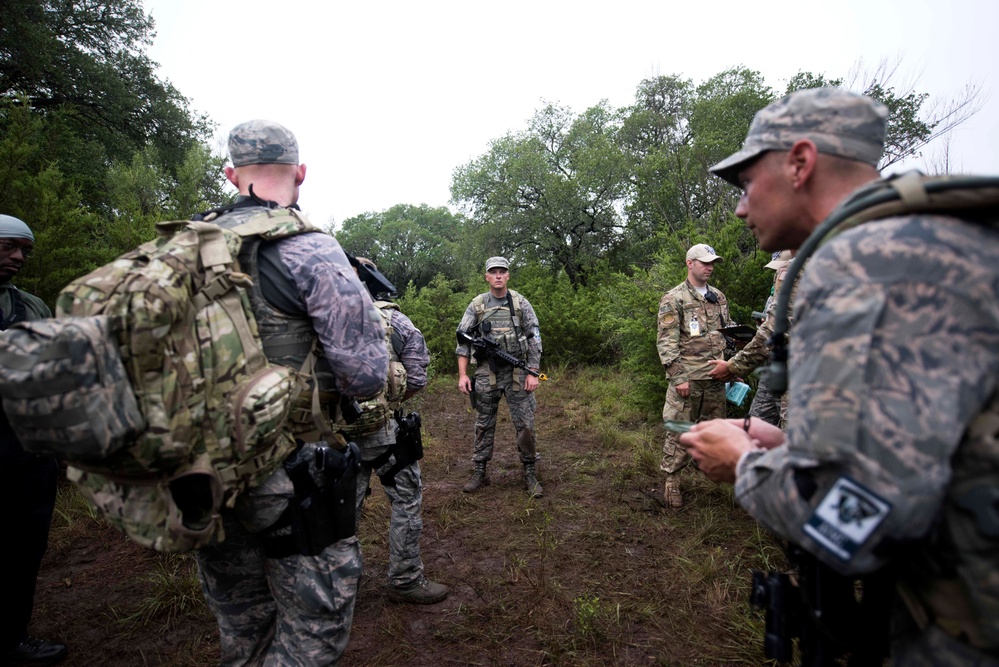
x: 319, y: 514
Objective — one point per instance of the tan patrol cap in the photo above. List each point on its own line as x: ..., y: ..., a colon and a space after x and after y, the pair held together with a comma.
x: 702, y: 252
x: 779, y: 259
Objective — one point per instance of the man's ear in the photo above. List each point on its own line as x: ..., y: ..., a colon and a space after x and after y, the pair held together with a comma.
x: 800, y: 162
x: 299, y: 175
x: 230, y: 173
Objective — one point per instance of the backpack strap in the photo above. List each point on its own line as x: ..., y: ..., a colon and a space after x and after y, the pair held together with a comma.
x: 18, y: 311
x: 218, y: 262
x: 274, y: 224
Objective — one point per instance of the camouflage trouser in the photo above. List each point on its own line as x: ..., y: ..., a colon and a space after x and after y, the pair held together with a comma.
x: 933, y: 647
x: 522, y: 405
x: 706, y: 401
x: 406, y: 522
x: 765, y: 405
x: 278, y: 612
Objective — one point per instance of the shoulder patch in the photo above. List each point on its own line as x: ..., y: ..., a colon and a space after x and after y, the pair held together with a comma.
x: 846, y: 518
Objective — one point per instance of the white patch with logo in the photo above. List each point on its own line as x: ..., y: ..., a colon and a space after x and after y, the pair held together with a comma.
x: 846, y: 518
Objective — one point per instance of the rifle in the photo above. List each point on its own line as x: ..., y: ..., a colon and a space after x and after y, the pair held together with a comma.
x: 492, y: 351
x: 820, y: 608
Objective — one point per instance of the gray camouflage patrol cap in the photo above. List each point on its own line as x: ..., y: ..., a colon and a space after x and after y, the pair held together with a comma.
x: 262, y: 142
x: 840, y: 122
x: 497, y: 262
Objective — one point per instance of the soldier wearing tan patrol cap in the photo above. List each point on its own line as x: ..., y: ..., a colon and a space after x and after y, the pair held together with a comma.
x: 887, y: 467
x: 690, y: 316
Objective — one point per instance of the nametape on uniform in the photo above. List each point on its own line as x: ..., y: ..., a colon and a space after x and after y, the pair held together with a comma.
x: 846, y: 518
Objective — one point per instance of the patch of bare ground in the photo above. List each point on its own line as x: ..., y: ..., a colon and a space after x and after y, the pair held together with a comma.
x: 597, y: 572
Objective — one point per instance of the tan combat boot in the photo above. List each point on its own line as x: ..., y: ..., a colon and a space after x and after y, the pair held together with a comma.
x: 423, y: 591
x: 671, y: 492
x: 479, y: 478
x: 531, y: 482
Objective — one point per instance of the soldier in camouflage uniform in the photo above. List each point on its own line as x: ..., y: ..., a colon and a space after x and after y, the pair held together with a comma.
x: 27, y: 481
x: 890, y: 455
x: 765, y: 405
x: 290, y: 609
x: 690, y: 315
x: 375, y: 433
x: 511, y: 322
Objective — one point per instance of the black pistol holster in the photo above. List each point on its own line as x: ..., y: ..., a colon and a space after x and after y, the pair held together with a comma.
x: 408, y: 447
x: 320, y: 513
x: 836, y: 620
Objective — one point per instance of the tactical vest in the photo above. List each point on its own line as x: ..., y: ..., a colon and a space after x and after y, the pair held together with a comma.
x: 375, y: 411
x: 506, y: 328
x: 505, y: 322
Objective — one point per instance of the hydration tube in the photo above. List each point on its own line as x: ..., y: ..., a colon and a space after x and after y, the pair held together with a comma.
x: 909, y: 193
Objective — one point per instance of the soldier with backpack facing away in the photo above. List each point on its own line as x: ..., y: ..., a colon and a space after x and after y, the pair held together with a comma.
x: 392, y: 446
x: 279, y: 598
x: 505, y: 317
x: 888, y: 468
x: 27, y: 481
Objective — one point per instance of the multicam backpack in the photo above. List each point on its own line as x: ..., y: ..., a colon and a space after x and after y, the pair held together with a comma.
x: 152, y: 384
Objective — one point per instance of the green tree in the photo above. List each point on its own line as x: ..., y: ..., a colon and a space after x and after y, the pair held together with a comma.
x: 436, y: 310
x: 85, y: 62
x: 409, y: 244
x: 70, y: 239
x: 674, y: 132
x: 95, y: 147
x: 914, y: 120
x: 552, y: 193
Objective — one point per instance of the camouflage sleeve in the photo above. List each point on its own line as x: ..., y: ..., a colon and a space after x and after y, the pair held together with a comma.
x: 668, y: 339
x: 756, y: 351
x: 467, y: 322
x: 889, y: 365
x: 414, y: 355
x: 346, y: 321
x: 532, y: 331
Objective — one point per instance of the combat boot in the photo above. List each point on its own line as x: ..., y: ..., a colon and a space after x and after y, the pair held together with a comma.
x: 671, y: 492
x: 423, y: 591
x: 479, y: 478
x: 531, y: 482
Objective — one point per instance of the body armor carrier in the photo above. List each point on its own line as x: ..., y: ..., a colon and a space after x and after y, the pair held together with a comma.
x: 504, y: 327
x: 375, y: 411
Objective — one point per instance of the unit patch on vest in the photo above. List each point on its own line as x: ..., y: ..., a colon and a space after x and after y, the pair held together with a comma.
x: 846, y: 518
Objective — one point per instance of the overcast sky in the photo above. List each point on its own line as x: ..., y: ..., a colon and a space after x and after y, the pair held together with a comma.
x: 387, y: 98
